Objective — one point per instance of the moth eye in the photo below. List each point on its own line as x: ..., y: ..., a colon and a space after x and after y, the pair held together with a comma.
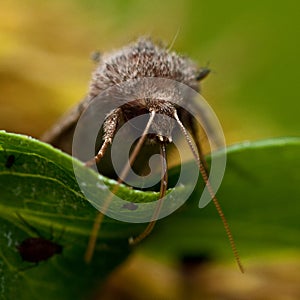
x: 203, y: 72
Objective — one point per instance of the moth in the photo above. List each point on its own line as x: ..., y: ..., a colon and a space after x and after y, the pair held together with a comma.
x: 139, y: 60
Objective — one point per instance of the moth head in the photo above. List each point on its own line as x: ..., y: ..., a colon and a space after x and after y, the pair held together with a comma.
x: 163, y: 122
x: 163, y: 126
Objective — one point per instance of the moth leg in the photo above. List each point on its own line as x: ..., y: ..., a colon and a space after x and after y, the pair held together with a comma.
x: 99, y: 218
x: 110, y: 127
x: 61, y: 134
x: 163, y: 189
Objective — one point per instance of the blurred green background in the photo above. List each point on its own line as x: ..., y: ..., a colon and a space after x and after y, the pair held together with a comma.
x: 251, y: 46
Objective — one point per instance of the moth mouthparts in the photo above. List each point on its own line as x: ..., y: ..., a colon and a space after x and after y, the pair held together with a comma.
x: 167, y: 139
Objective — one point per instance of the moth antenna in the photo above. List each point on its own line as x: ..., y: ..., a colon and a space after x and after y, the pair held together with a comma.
x: 99, y: 218
x: 174, y: 39
x: 204, y: 175
x: 163, y: 189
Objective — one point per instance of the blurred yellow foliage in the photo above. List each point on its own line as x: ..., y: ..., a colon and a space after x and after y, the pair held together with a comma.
x: 45, y: 66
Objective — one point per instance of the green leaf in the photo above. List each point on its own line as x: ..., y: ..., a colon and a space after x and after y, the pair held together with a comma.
x: 260, y: 198
x: 38, y: 183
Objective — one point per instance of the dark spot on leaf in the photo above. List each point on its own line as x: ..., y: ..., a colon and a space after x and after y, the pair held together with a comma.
x: 10, y: 161
x: 36, y: 249
x: 130, y: 206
